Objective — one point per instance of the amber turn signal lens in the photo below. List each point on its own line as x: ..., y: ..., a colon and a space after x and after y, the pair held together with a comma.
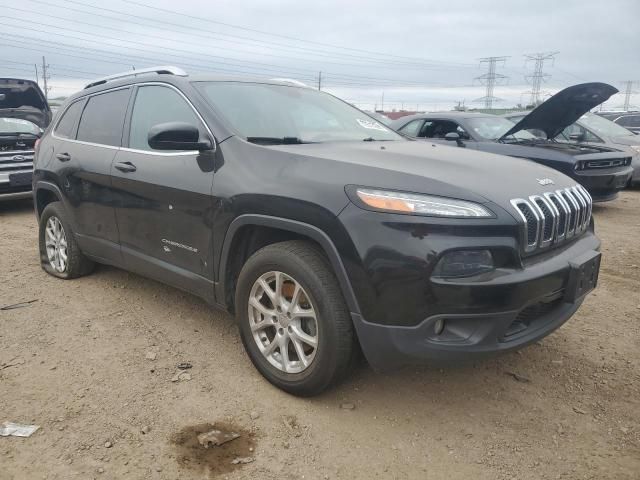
x: 385, y: 203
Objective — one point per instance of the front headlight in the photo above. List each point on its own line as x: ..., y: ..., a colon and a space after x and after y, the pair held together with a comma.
x: 636, y: 148
x: 420, y: 204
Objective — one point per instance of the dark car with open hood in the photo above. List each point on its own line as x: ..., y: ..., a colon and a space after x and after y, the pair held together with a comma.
x: 323, y: 231
x: 24, y: 114
x: 596, y: 130
x: 601, y: 169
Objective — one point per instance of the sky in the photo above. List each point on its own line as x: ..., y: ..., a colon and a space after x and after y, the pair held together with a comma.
x: 414, y: 55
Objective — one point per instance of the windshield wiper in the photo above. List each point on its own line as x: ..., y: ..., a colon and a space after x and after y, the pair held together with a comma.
x: 371, y: 139
x: 276, y: 140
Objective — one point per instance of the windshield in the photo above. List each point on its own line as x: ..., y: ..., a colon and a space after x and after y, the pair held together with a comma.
x: 17, y: 125
x: 261, y: 112
x: 493, y: 128
x: 604, y: 127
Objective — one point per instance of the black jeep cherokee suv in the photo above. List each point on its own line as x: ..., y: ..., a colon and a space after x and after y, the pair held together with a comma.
x: 320, y: 228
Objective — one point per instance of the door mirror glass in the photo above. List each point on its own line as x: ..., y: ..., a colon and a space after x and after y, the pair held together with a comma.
x: 177, y: 136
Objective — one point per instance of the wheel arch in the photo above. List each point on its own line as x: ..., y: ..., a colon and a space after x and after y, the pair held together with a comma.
x: 288, y: 229
x: 44, y: 194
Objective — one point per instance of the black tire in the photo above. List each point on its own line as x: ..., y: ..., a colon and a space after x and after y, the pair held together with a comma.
x: 335, y: 351
x: 77, y: 264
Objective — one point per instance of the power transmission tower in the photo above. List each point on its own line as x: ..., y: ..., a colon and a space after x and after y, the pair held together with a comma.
x: 37, y: 79
x: 319, y: 80
x: 628, y: 91
x: 45, y: 78
x: 538, y: 75
x: 490, y: 79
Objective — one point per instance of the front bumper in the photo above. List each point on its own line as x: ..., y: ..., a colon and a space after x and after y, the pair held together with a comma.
x: 387, y: 347
x: 15, y: 195
x: 604, y: 184
x: 402, y: 303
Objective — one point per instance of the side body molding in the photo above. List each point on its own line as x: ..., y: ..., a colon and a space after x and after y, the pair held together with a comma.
x: 293, y: 226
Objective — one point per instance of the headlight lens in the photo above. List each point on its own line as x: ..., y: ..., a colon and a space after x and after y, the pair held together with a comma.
x: 421, y: 204
x: 464, y: 263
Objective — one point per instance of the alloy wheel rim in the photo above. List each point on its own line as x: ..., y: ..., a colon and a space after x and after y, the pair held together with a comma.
x: 56, y: 244
x: 283, y: 322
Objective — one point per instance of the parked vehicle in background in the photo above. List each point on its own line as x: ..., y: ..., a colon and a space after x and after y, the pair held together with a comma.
x: 316, y: 225
x: 24, y: 114
x: 592, y: 129
x: 603, y: 171
x: 628, y: 120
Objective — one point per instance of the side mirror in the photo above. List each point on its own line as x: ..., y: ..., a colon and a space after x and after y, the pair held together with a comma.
x: 452, y: 137
x: 177, y: 136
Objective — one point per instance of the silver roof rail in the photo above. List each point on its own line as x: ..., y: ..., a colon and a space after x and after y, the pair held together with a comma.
x: 291, y: 81
x: 166, y: 70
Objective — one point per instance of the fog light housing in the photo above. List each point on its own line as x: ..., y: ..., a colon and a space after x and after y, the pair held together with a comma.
x: 464, y: 263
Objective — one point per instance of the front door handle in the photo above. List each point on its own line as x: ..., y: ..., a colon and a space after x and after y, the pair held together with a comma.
x: 63, y: 157
x: 126, y: 167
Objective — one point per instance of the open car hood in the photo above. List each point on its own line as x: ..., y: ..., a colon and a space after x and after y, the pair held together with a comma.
x: 23, y: 99
x: 564, y: 108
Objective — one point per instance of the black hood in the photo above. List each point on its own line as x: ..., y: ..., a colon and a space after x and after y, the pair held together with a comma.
x: 564, y: 108
x: 23, y: 99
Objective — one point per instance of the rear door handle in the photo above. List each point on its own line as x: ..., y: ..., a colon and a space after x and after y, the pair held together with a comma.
x: 126, y: 167
x: 63, y: 157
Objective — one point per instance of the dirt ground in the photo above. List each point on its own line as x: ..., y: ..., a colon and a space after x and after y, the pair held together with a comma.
x: 92, y: 362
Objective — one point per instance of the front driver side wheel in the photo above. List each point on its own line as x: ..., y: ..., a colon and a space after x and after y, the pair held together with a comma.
x: 294, y: 322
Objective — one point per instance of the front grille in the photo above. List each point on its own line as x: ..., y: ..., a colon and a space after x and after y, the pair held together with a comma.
x: 13, y: 166
x: 553, y: 217
x: 618, y: 162
x: 16, y: 161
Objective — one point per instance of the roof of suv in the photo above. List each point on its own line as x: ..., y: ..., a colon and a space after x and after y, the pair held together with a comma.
x: 175, y: 76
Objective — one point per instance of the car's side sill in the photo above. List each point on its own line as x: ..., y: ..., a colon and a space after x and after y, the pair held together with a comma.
x: 104, y: 251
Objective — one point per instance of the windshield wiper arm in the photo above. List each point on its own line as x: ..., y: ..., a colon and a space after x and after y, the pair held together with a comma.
x: 276, y: 140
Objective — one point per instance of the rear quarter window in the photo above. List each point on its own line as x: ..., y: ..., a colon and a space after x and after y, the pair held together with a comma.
x: 67, y: 123
x: 103, y: 118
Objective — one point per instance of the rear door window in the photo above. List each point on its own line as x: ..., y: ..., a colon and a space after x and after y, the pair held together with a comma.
x: 156, y: 104
x: 103, y: 118
x: 66, y: 125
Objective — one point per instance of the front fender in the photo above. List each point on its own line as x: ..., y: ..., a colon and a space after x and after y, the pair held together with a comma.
x: 294, y: 226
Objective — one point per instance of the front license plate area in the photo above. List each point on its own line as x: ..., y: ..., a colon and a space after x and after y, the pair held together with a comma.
x: 583, y: 276
x: 20, y: 179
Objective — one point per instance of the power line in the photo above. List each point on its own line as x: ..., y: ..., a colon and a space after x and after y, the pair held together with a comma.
x: 187, y: 54
x: 339, y: 47
x: 490, y: 79
x: 538, y: 75
x: 217, y: 36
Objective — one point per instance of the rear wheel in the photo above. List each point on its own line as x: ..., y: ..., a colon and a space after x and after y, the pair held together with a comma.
x: 60, y: 255
x: 294, y: 322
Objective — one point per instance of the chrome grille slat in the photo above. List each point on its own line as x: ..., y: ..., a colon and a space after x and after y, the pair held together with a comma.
x: 573, y: 214
x: 553, y: 217
x: 583, y: 208
x: 563, y: 214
